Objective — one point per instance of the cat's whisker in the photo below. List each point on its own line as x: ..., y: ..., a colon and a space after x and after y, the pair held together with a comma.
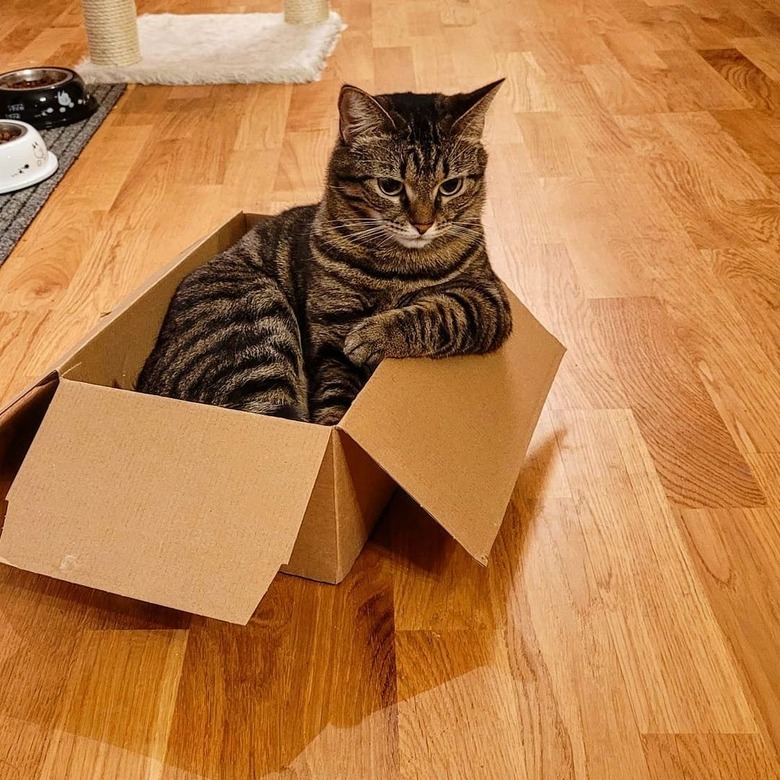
x: 356, y: 223
x: 367, y: 233
x: 388, y: 239
x: 471, y: 233
x: 350, y: 224
x: 468, y: 225
x: 372, y: 227
x: 465, y: 229
x: 354, y: 219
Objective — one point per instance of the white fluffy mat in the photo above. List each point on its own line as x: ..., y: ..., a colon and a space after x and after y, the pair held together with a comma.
x: 224, y: 49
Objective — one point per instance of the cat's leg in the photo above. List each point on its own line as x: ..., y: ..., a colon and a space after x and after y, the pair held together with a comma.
x: 454, y: 320
x: 231, y: 347
x: 335, y: 384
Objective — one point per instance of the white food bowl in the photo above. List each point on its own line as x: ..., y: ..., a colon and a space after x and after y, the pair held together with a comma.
x: 24, y: 158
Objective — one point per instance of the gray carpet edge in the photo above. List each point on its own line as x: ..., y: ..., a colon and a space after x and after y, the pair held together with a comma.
x: 19, y: 209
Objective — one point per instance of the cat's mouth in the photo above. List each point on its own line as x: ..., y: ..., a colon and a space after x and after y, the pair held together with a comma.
x: 412, y: 239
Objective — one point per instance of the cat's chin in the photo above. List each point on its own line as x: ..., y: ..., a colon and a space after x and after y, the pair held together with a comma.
x: 420, y: 242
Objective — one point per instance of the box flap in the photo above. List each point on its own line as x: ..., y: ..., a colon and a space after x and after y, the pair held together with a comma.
x: 185, y: 505
x: 453, y: 433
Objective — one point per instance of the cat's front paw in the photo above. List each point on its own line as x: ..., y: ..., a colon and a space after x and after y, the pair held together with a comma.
x: 365, y: 345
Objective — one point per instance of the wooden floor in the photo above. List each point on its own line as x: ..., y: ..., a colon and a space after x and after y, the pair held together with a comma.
x: 628, y: 625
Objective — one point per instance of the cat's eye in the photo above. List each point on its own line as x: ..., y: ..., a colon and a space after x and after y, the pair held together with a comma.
x: 451, y: 187
x: 390, y: 186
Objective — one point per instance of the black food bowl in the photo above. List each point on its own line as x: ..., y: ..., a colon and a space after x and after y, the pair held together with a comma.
x: 45, y: 97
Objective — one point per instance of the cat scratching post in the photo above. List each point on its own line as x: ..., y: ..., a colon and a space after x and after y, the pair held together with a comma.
x: 248, y: 48
x: 112, y: 32
x: 306, y: 11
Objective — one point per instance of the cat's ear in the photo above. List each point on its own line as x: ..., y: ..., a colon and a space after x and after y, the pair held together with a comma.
x: 360, y: 113
x: 470, y: 110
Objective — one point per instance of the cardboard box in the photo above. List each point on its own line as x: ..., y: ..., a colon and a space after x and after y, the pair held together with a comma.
x: 197, y: 507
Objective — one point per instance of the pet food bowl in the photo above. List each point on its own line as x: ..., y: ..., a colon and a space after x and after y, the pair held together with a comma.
x: 45, y: 97
x: 24, y: 158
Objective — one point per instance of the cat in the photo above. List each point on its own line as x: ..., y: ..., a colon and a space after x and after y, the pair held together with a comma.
x: 292, y: 320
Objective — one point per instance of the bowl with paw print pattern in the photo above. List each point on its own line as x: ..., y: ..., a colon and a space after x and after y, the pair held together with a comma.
x: 45, y: 97
x: 24, y: 158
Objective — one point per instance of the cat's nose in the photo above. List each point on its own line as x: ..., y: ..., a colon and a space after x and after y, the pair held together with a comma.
x: 422, y: 227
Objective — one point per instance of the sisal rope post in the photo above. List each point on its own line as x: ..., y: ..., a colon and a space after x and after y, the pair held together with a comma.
x: 112, y: 31
x: 305, y: 11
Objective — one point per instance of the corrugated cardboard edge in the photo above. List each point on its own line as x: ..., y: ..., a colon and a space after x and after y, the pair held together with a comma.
x: 19, y: 422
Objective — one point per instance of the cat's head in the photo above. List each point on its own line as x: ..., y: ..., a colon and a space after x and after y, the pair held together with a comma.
x: 409, y: 169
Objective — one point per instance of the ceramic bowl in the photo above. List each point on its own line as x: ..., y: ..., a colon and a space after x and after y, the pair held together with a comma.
x: 45, y: 97
x: 24, y: 158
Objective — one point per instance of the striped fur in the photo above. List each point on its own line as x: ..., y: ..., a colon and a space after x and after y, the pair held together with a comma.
x: 292, y: 319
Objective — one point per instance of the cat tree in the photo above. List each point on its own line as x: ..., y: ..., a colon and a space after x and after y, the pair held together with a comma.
x: 112, y: 30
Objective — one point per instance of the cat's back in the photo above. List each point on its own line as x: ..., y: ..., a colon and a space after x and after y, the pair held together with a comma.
x: 235, y: 307
x: 268, y: 248
x: 267, y: 253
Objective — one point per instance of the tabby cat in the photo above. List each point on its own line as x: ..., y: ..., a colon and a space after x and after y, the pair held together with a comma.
x: 292, y: 319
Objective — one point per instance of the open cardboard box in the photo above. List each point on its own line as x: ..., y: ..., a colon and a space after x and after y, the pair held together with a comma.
x: 198, y: 507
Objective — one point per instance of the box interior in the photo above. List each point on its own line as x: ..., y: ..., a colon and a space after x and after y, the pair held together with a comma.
x: 19, y: 424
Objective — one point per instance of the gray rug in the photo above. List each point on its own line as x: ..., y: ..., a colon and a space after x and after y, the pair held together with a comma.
x: 18, y: 209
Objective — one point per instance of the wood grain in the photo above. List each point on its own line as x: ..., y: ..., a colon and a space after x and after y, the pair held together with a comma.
x: 457, y: 710
x: 331, y: 660
x: 640, y: 568
x: 118, y: 705
x: 715, y: 756
x: 748, y: 79
x: 762, y: 51
x: 627, y: 625
x: 742, y: 596
x: 757, y: 132
x: 698, y: 463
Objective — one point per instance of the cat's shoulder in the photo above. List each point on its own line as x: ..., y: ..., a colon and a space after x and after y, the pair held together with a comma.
x: 256, y: 250
x: 291, y: 220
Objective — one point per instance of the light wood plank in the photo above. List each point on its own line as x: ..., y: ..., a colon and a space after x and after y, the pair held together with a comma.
x: 679, y: 671
x: 694, y: 756
x: 699, y: 465
x: 742, y: 596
